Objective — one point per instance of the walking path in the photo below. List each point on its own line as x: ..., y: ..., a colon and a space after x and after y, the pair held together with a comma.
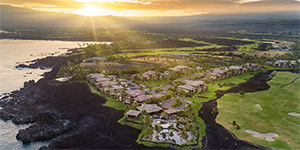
x: 290, y: 82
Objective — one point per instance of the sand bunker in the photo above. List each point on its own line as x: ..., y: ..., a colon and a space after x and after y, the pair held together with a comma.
x: 257, y: 106
x: 268, y: 136
x: 293, y: 114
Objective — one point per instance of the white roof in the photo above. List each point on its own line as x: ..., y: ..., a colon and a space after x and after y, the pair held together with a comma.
x: 194, y: 83
x: 133, y: 113
x: 180, y: 67
x: 106, y: 83
x: 117, y: 87
x: 96, y: 75
x: 186, y: 87
x: 134, y: 93
x: 235, y: 67
x: 101, y: 79
x: 143, y: 97
x: 149, y: 108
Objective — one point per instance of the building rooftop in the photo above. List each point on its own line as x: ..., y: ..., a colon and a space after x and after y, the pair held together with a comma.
x: 180, y: 68
x: 101, y: 79
x: 251, y: 65
x: 95, y: 75
x: 149, y: 73
x: 142, y: 98
x: 161, y: 94
x: 217, y: 71
x: 95, y: 58
x: 194, y: 83
x: 112, y: 76
x: 134, y: 93
x: 235, y: 67
x: 117, y: 87
x: 133, y: 113
x: 187, y: 87
x: 149, y: 108
x: 167, y: 105
x: 107, y: 83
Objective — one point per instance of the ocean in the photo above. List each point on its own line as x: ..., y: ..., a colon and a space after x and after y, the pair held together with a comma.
x: 12, y: 53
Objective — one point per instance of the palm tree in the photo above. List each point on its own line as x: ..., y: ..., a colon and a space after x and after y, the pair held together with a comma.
x: 147, y: 121
x: 134, y: 104
x: 177, y: 102
x: 109, y: 86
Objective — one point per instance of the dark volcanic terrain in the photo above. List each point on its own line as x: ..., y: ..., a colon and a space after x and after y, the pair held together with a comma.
x: 71, y: 116
x: 67, y: 112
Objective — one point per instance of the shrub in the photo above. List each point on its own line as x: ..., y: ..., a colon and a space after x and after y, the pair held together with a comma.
x: 241, y: 92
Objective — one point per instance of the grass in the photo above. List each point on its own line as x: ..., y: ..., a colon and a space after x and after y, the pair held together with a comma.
x: 195, y: 41
x: 182, y: 50
x: 280, y: 68
x: 230, y: 38
x: 156, y: 83
x: 111, y: 102
x: 154, y: 52
x: 122, y: 121
x: 276, y: 104
x: 213, y: 87
x: 247, y: 47
x: 210, y: 94
x: 138, y: 119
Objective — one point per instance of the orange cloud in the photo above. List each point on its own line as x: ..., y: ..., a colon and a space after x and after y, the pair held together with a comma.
x: 160, y: 7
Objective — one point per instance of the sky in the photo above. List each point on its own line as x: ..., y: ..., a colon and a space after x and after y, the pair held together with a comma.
x: 156, y: 7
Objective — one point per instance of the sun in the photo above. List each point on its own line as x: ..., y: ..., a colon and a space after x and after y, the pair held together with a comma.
x: 90, y: 10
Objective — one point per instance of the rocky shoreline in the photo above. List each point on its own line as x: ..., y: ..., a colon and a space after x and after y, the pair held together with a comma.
x: 67, y: 114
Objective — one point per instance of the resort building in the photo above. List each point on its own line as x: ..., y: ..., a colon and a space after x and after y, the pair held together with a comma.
x: 133, y: 113
x: 180, y: 68
x: 149, y: 108
x: 286, y: 63
x: 149, y: 75
x: 96, y: 59
x: 169, y: 109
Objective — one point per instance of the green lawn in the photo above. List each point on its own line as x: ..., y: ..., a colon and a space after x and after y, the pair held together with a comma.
x: 183, y: 50
x: 155, y: 83
x: 111, y: 102
x: 230, y: 38
x: 276, y: 103
x: 247, y: 47
x: 213, y: 87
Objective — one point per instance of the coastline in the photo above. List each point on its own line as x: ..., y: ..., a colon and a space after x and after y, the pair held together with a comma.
x: 65, y: 113
x: 71, y: 116
x: 61, y: 39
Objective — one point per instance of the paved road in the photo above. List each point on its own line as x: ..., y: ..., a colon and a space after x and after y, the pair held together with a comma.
x: 290, y: 82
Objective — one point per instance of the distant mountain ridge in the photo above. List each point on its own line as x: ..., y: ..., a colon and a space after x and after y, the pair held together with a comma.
x: 13, y: 17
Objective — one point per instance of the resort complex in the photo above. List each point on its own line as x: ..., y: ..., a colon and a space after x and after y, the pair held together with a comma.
x: 163, y: 107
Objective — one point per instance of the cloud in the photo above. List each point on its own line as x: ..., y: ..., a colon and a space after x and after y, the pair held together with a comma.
x: 186, y: 7
x: 247, y: 1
